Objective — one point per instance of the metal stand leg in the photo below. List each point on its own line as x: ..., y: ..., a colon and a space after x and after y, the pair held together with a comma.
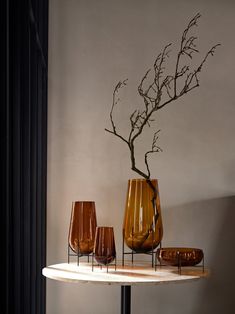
x: 125, y: 299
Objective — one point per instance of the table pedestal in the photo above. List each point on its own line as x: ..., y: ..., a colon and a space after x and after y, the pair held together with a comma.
x: 125, y: 299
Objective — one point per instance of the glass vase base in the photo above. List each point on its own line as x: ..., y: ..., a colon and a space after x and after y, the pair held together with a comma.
x: 132, y: 253
x: 101, y: 266
x: 78, y: 255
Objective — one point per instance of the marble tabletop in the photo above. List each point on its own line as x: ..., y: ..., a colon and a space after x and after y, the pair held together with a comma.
x: 123, y: 275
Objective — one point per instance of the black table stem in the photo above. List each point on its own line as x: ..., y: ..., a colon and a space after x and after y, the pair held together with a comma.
x: 125, y: 299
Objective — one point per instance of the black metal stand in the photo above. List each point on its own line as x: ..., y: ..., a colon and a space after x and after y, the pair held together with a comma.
x: 114, y: 263
x: 125, y: 299
x: 78, y: 255
x: 152, y: 252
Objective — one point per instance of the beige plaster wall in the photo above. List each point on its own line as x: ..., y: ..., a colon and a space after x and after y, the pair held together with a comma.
x: 92, y: 45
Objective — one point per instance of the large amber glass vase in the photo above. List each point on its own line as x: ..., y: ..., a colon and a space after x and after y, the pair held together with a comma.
x: 142, y: 226
x: 83, y: 225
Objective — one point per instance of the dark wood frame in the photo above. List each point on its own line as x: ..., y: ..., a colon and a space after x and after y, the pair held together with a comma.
x: 23, y: 114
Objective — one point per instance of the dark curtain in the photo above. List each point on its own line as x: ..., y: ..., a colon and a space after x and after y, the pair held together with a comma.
x: 23, y: 114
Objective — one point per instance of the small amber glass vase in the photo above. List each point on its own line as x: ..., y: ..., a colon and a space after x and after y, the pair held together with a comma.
x: 142, y: 226
x: 83, y: 225
x: 104, y: 249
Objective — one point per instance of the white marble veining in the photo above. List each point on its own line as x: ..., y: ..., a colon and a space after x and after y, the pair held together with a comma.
x: 127, y: 275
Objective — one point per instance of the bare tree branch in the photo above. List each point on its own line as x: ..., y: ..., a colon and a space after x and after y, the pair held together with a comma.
x: 152, y: 94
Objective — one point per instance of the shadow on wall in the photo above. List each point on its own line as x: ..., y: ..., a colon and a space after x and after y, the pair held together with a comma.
x: 209, y: 225
x: 217, y: 295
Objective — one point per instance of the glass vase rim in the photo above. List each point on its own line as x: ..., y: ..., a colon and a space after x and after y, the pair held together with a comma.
x: 83, y: 202
x: 104, y: 227
x: 142, y: 179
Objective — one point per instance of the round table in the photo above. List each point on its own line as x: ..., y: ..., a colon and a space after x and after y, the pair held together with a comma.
x: 124, y: 276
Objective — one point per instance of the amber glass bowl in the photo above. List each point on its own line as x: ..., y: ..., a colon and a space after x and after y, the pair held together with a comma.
x: 82, y: 227
x: 175, y: 256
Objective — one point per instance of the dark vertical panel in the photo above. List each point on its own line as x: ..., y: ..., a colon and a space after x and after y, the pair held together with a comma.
x: 16, y: 219
x: 43, y: 184
x: 39, y: 181
x: 34, y: 165
x: 3, y: 141
x: 26, y: 181
x: 23, y: 123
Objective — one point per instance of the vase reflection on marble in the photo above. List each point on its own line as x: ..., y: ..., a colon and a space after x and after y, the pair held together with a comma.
x: 142, y: 226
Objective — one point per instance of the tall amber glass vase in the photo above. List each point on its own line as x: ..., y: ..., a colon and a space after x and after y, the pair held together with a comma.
x: 142, y: 226
x: 83, y: 225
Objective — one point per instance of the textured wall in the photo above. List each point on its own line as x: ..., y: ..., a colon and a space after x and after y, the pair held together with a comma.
x: 92, y: 45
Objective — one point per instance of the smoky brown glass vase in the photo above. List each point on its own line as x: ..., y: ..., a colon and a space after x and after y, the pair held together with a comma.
x: 142, y: 225
x: 104, y: 248
x: 83, y: 225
